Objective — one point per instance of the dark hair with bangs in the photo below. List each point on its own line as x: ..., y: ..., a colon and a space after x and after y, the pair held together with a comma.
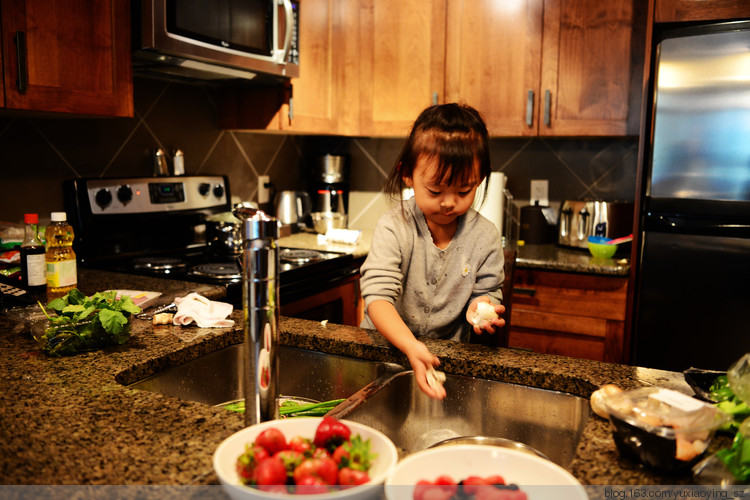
x: 455, y: 135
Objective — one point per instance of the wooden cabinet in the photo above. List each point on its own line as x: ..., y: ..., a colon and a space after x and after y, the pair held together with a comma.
x: 402, y: 63
x: 577, y: 315
x: 340, y: 304
x: 321, y: 97
x: 548, y: 67
x: 65, y: 56
x: 667, y: 11
x: 532, y: 67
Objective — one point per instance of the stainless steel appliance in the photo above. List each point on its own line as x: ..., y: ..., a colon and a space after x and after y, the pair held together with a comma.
x: 332, y: 185
x: 157, y: 226
x: 215, y: 41
x: 293, y: 208
x: 580, y: 219
x: 692, y: 291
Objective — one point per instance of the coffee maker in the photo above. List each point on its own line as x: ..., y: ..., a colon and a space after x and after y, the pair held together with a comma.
x: 331, y: 184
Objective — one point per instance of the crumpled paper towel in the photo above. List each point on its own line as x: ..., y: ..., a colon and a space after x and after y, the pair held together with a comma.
x: 206, y: 313
x: 346, y: 236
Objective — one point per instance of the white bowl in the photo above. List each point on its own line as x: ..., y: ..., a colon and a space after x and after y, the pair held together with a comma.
x: 225, y: 458
x: 540, y: 479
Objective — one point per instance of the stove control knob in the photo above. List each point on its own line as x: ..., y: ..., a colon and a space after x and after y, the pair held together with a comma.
x: 124, y: 194
x: 218, y: 190
x: 204, y: 188
x: 103, y: 197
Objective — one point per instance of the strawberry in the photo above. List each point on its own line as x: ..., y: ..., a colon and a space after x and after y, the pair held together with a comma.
x: 495, y: 479
x: 324, y: 469
x: 499, y: 493
x: 435, y: 492
x: 272, y: 439
x: 354, y: 453
x: 270, y: 471
x: 447, y: 484
x: 419, y: 490
x: 302, y: 445
x: 472, y: 483
x: 291, y: 459
x: 320, y: 453
x: 352, y: 477
x: 311, y: 485
x: 331, y: 433
x: 248, y: 461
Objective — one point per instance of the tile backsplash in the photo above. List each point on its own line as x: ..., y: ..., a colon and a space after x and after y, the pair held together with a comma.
x: 38, y: 154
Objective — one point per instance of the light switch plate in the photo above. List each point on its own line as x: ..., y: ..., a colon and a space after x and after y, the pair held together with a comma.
x: 539, y: 192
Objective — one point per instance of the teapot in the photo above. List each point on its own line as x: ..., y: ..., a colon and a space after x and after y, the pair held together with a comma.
x: 292, y: 207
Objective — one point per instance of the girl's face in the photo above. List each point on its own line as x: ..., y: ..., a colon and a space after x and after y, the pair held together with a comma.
x: 441, y: 203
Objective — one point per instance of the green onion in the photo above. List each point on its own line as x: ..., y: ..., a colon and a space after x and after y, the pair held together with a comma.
x: 290, y: 408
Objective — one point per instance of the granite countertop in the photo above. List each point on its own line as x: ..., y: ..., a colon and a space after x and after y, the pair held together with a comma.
x: 72, y: 420
x: 554, y: 257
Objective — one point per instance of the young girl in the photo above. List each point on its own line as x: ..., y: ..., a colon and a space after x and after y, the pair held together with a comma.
x: 433, y: 258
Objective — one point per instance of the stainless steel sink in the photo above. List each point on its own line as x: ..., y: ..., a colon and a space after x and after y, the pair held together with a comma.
x: 549, y: 421
x: 386, y: 397
x: 216, y: 377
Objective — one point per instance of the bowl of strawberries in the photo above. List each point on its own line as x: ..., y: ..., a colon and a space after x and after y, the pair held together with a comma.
x: 480, y: 472
x: 318, y: 457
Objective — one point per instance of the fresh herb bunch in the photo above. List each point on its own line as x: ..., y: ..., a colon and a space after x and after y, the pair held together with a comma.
x: 728, y: 402
x: 83, y: 323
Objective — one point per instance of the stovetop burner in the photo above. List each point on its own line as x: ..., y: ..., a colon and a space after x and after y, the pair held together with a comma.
x: 300, y: 256
x: 164, y: 265
x: 225, y: 272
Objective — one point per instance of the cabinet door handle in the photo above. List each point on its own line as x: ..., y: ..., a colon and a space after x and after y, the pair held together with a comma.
x: 524, y: 291
x: 530, y: 108
x: 547, y: 106
x: 434, y: 98
x: 23, y: 77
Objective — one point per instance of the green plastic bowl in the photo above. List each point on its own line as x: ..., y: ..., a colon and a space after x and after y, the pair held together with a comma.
x: 599, y: 248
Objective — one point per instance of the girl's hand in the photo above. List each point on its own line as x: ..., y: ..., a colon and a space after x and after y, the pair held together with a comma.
x: 485, y: 325
x: 421, y: 360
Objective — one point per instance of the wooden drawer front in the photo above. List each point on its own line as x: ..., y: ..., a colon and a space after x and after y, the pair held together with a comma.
x: 568, y: 294
x: 580, y: 325
x: 608, y: 347
x: 561, y: 344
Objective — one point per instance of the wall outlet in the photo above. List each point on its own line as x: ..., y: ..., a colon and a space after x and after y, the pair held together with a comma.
x: 264, y: 190
x: 539, y: 192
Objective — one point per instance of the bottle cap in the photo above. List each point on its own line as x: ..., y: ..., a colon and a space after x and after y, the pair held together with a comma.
x: 59, y: 216
x: 30, y: 218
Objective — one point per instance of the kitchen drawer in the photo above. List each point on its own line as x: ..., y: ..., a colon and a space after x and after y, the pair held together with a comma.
x: 577, y: 315
x: 571, y: 294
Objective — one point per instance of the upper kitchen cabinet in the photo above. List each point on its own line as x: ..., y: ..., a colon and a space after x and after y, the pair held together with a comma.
x: 551, y: 68
x: 494, y: 61
x: 321, y: 98
x: 667, y: 11
x: 402, y: 63
x: 64, y: 56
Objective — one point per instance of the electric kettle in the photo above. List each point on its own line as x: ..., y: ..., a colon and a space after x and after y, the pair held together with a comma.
x: 293, y: 207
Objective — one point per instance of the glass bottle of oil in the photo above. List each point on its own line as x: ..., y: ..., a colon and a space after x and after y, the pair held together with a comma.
x: 33, y: 261
x: 62, y: 273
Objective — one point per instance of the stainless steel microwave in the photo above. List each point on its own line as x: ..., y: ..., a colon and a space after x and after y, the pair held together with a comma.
x: 216, y: 40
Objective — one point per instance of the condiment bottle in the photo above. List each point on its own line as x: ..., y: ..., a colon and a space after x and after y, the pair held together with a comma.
x: 62, y: 273
x: 33, y: 263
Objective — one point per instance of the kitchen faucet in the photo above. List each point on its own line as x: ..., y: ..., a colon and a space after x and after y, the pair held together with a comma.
x: 260, y: 291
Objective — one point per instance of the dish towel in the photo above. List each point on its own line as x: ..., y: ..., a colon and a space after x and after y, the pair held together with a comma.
x: 206, y: 313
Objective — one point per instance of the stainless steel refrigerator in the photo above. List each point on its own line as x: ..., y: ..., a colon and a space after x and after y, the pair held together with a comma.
x: 692, y: 302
